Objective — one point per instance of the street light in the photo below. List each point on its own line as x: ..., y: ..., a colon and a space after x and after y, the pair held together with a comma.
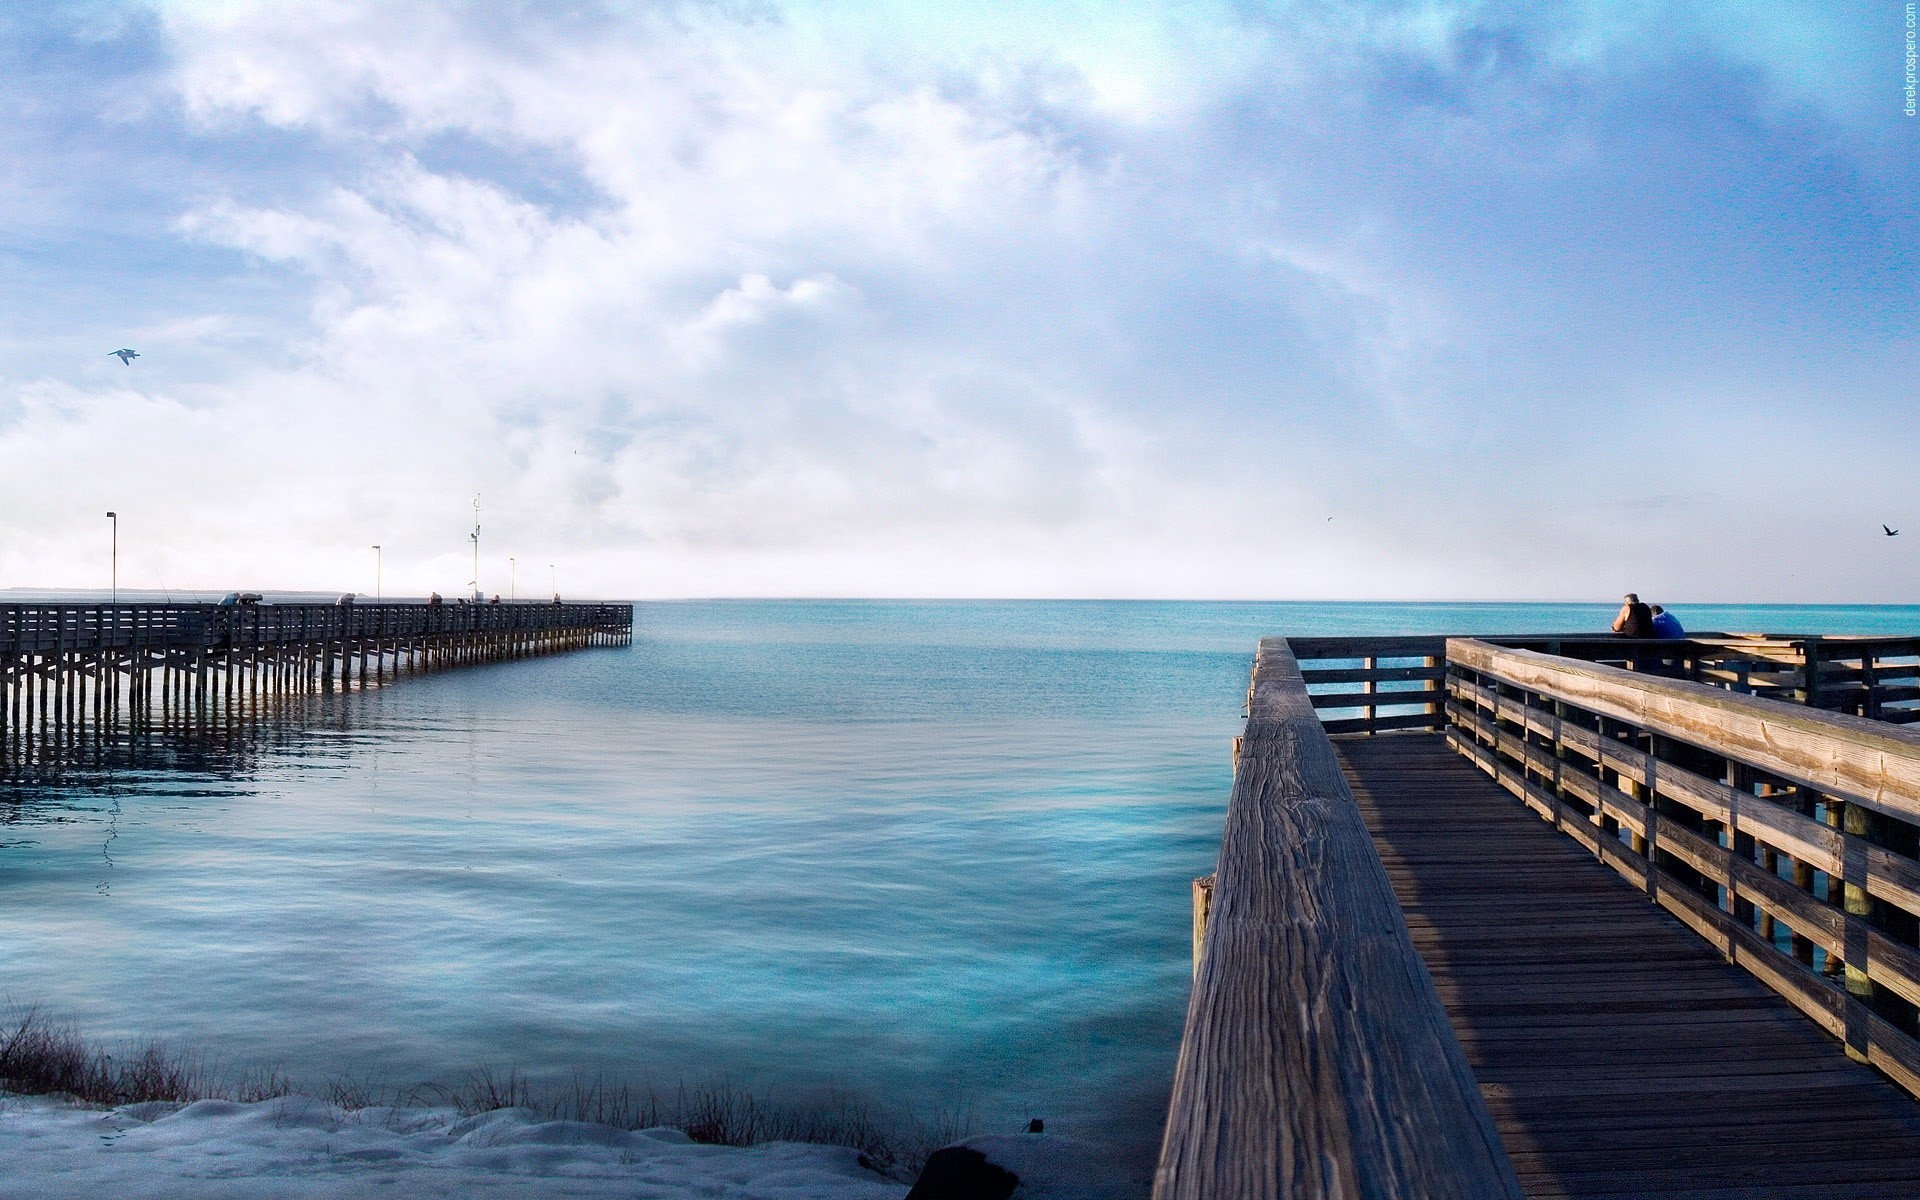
x: 513, y: 579
x: 554, y: 580
x: 115, y: 518
x: 376, y: 572
x: 474, y: 583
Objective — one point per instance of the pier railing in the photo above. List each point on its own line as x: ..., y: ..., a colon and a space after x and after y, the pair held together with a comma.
x: 42, y: 628
x: 1317, y: 1060
x: 1374, y: 684
x: 1762, y: 788
x: 71, y: 673
x: 1785, y: 835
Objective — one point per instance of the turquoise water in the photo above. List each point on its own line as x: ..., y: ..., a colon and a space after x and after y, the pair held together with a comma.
x: 935, y: 853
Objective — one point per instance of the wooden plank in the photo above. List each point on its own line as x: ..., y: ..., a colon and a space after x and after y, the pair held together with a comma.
x: 1890, y: 876
x: 1888, y: 963
x: 1415, y: 646
x: 1321, y: 675
x: 1383, y: 723
x: 1863, y: 761
x: 1608, y: 1039
x: 1317, y: 1061
x: 1372, y: 699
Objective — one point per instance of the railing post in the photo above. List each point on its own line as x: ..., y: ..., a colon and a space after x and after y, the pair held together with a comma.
x: 1836, y: 795
x: 1810, y: 670
x: 1202, y: 909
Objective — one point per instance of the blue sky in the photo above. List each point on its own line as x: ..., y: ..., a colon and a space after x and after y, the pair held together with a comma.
x: 1534, y: 301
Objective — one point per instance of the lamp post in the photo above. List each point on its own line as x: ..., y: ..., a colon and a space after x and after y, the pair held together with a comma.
x: 513, y: 579
x: 115, y: 518
x: 553, y: 579
x: 376, y: 572
x: 474, y: 583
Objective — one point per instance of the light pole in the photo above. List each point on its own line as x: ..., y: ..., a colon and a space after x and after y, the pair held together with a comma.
x: 115, y: 518
x: 553, y: 579
x: 513, y: 579
x: 474, y: 583
x: 376, y: 572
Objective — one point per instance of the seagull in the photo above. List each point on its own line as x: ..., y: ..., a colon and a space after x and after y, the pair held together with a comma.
x: 1891, y: 531
x: 125, y: 356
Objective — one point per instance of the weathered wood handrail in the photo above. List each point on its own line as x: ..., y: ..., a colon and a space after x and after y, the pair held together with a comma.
x: 1869, y: 676
x: 1411, y: 668
x: 1317, y: 1060
x: 1751, y: 820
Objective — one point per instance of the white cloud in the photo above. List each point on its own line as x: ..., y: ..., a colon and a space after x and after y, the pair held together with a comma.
x: 1116, y: 299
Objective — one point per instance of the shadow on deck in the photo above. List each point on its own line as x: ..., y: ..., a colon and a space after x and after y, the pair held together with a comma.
x: 1619, y: 1054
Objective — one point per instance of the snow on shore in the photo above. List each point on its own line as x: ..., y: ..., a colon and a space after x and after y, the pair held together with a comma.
x: 303, y: 1148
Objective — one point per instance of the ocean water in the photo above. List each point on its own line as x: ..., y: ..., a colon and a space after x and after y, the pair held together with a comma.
x: 936, y: 854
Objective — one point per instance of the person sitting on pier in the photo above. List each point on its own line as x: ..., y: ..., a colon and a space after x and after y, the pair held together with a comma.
x: 1635, y: 619
x: 1665, y: 624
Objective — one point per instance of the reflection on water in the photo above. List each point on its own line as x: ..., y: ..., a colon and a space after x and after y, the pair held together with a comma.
x: 937, y: 853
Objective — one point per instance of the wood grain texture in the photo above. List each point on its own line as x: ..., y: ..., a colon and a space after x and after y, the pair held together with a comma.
x: 1888, y: 876
x: 1885, y: 962
x: 1863, y: 761
x: 1376, y: 699
x: 1620, y: 1055
x: 1317, y: 1060
x: 1315, y: 675
x: 1875, y: 870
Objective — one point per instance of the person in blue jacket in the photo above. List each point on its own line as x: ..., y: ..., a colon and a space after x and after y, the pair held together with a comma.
x: 1665, y: 624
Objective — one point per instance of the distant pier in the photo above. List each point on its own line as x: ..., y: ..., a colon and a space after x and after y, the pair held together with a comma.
x: 74, y: 672
x: 1663, y: 941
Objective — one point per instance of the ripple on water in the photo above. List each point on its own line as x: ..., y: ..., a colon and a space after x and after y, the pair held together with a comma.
x: 937, y: 853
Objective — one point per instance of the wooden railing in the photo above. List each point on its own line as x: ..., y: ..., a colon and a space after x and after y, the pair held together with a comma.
x: 1378, y: 684
x: 1785, y: 835
x: 1317, y: 1060
x: 70, y: 674
x: 1374, y: 684
x: 41, y: 628
x: 1876, y: 677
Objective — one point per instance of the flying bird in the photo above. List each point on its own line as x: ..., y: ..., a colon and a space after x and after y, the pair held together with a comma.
x: 1891, y: 531
x: 125, y: 356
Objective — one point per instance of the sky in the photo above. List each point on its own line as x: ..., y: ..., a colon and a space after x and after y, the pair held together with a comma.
x: 1189, y: 299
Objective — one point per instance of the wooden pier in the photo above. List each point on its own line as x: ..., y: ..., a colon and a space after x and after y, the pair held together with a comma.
x: 1664, y: 941
x: 71, y: 674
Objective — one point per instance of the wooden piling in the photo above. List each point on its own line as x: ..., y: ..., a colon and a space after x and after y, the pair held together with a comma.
x: 70, y: 674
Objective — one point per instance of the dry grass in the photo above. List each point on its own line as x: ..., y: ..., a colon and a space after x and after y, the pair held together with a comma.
x: 722, y: 1114
x: 39, y: 1056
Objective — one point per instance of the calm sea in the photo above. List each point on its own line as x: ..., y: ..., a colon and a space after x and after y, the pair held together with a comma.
x: 934, y: 853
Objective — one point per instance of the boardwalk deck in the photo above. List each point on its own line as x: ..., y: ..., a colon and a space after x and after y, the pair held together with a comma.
x: 1619, y: 1054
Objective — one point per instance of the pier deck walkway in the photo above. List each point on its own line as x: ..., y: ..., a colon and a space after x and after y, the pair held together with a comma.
x: 1619, y: 1054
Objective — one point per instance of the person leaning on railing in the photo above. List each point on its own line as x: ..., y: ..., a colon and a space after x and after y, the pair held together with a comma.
x: 1635, y: 619
x: 1665, y: 624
